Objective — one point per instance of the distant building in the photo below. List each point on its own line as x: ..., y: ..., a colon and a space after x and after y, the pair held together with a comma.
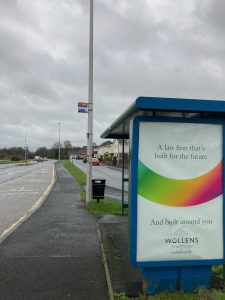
x: 104, y: 150
x: 83, y: 151
x: 113, y: 149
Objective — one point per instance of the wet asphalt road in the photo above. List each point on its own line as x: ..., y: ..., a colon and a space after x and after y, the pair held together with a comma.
x: 21, y: 191
x: 14, y: 171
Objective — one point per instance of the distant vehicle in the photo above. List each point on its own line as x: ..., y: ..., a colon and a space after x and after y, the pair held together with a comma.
x: 84, y: 159
x: 40, y: 159
x: 45, y: 159
x: 36, y: 157
x: 95, y: 162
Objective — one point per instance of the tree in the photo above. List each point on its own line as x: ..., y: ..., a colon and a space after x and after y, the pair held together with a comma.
x: 67, y: 144
x: 67, y: 148
x: 13, y: 152
x: 56, y: 145
x: 42, y: 151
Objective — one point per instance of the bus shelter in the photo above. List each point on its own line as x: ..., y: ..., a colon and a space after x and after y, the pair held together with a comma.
x: 176, y: 188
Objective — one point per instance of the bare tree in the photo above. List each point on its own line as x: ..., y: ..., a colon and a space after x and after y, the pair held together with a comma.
x: 67, y: 144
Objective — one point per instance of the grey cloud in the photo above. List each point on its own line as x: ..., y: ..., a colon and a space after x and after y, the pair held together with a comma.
x: 212, y: 13
x: 162, y: 48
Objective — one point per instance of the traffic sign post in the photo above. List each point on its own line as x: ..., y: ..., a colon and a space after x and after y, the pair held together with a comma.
x: 90, y: 108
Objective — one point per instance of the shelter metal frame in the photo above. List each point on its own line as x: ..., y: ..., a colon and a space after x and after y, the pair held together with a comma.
x: 163, y: 107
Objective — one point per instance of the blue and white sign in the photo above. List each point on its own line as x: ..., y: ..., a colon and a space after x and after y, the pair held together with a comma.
x: 82, y: 107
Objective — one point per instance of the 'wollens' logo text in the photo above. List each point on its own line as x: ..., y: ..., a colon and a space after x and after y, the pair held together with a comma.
x: 186, y: 240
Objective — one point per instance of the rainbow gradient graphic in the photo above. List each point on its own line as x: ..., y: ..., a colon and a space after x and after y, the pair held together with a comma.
x: 174, y: 192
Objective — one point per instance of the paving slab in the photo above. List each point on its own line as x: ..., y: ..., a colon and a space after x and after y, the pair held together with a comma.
x: 114, y: 234
x: 55, y: 254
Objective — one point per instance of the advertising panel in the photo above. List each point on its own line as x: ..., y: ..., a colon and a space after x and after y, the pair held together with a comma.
x: 179, y: 199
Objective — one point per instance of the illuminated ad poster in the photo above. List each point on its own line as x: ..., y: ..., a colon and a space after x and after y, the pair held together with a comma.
x: 179, y: 192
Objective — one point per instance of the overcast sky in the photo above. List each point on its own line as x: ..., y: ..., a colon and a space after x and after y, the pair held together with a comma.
x: 141, y: 48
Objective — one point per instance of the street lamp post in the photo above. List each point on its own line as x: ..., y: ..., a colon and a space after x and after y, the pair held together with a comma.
x: 118, y: 158
x: 26, y: 153
x: 25, y: 148
x: 90, y: 111
x: 59, y: 141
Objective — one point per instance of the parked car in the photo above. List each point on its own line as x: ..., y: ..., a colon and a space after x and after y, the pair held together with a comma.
x: 95, y: 161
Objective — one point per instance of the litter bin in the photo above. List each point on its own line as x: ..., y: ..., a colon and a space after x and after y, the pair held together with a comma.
x: 98, y: 189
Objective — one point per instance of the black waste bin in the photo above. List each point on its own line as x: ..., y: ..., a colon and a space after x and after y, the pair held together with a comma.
x: 98, y: 189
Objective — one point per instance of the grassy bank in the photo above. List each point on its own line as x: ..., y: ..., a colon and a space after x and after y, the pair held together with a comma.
x: 105, y: 206
x: 201, y: 294
x: 77, y: 174
x: 6, y: 162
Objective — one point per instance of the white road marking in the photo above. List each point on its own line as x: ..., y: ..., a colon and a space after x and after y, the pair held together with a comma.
x: 5, y: 232
x: 18, y: 189
x: 24, y: 191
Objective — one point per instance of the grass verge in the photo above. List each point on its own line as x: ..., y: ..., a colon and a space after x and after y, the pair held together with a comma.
x: 179, y: 295
x: 107, y: 206
x: 77, y: 174
x: 6, y: 162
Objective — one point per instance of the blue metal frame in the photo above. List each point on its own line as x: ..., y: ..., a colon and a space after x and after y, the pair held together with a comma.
x: 134, y: 136
x: 182, y: 105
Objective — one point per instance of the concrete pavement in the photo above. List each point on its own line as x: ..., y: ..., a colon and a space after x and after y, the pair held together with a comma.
x: 114, y: 236
x: 55, y: 254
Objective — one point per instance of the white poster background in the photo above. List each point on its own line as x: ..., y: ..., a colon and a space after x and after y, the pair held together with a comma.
x: 158, y: 223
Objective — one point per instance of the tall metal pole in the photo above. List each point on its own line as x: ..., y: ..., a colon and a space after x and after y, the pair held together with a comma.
x: 118, y: 159
x: 25, y: 147
x: 59, y: 141
x: 90, y: 111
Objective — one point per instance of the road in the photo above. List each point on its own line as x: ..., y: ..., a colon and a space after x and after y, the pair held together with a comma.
x: 113, y: 178
x: 22, y: 190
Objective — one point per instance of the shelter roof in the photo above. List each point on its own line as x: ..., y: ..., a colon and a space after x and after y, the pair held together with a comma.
x: 164, y: 107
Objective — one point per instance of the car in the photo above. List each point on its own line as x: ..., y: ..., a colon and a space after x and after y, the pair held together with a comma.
x: 95, y: 161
